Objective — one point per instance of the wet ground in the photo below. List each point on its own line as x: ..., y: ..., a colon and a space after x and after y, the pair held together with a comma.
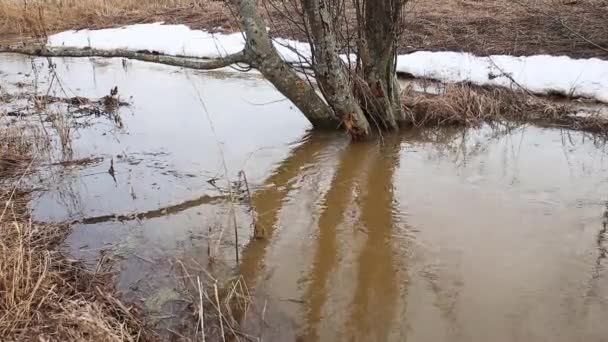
x: 433, y: 235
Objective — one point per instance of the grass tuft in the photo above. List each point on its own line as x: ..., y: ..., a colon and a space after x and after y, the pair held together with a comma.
x: 470, y: 105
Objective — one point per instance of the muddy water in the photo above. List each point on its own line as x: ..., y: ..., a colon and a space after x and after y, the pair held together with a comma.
x: 433, y: 235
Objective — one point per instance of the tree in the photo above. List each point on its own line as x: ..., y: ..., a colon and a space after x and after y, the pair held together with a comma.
x: 359, y: 93
x: 362, y: 94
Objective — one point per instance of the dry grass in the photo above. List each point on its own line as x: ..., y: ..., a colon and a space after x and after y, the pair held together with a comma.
x: 15, y: 152
x: 519, y: 27
x: 43, y: 17
x: 219, y: 307
x: 45, y: 296
x: 470, y: 105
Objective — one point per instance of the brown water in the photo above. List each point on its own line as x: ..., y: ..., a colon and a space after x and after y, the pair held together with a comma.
x: 433, y: 235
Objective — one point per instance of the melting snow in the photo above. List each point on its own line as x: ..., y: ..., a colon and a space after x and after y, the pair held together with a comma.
x: 175, y: 40
x: 540, y: 74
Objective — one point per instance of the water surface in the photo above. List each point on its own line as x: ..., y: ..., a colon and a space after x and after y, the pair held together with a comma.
x: 431, y: 235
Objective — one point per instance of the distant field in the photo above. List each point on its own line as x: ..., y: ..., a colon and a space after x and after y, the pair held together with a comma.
x: 522, y: 27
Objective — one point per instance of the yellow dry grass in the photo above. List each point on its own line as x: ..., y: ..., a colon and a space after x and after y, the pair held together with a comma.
x: 470, y: 105
x: 45, y: 296
x: 42, y: 17
x: 14, y: 151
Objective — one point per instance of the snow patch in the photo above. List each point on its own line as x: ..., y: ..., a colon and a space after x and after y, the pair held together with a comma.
x: 540, y: 74
x: 174, y: 40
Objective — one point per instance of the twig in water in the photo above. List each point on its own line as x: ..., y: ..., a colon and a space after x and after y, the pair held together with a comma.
x: 219, y: 309
x: 200, y: 311
x: 253, y: 223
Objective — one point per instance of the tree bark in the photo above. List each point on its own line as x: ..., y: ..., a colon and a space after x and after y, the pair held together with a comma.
x: 264, y: 57
x: 190, y: 63
x: 330, y: 70
x: 379, y: 24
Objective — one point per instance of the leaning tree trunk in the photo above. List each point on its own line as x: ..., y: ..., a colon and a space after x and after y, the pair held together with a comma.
x: 262, y: 55
x: 339, y: 103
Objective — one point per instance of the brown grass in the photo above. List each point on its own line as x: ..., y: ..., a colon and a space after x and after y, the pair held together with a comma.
x: 15, y: 151
x: 43, y: 17
x: 470, y: 105
x: 45, y: 296
x: 519, y: 27
x: 219, y: 307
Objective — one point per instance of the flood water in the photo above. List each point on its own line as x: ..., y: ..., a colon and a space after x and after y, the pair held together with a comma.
x: 433, y: 235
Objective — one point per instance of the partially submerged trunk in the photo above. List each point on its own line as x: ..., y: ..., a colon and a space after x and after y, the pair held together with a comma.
x: 263, y: 56
x: 330, y: 71
x: 379, y: 29
x: 360, y: 98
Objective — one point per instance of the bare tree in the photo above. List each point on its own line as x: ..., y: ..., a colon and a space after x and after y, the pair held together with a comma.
x: 362, y: 96
x: 359, y: 93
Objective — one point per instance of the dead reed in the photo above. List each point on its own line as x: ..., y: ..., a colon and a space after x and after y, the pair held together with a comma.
x: 219, y: 307
x: 470, y: 105
x: 35, y: 19
x: 15, y: 151
x: 44, y: 295
x: 48, y: 297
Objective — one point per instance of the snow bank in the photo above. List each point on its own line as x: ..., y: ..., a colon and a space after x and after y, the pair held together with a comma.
x: 539, y: 74
x: 175, y: 40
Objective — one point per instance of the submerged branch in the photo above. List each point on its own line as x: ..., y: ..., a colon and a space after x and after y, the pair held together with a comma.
x: 185, y: 62
x: 150, y: 214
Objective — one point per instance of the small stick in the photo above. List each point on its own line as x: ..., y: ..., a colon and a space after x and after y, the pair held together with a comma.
x: 249, y: 199
x: 200, y: 311
x: 219, y: 309
x: 236, y: 234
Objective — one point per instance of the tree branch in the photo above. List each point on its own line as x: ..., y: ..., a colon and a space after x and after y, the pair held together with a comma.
x: 185, y: 62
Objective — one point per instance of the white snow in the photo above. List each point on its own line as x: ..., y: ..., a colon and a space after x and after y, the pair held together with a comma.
x: 175, y: 40
x: 540, y: 74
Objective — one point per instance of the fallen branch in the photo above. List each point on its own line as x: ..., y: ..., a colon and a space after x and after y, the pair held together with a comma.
x: 152, y: 57
x: 150, y: 214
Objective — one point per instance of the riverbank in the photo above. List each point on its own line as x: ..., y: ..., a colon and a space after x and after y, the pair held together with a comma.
x: 489, y: 27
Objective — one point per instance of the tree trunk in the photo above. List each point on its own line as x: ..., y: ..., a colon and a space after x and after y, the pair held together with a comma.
x: 379, y: 25
x: 330, y: 71
x: 263, y: 56
x: 357, y: 99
